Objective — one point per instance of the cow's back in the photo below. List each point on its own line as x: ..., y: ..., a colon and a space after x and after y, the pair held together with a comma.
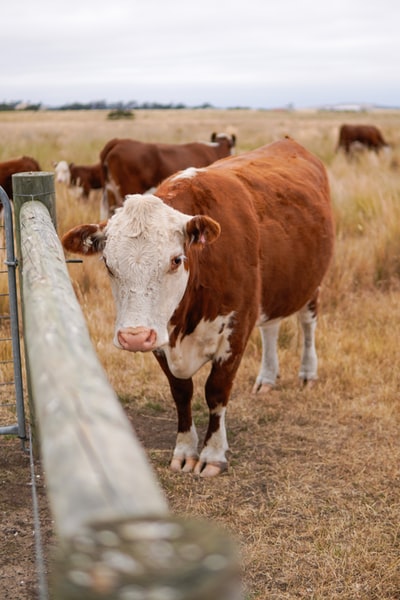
x: 175, y: 157
x: 296, y: 226
x: 133, y: 165
x: 276, y: 241
x: 367, y: 135
x: 16, y: 165
x: 88, y: 176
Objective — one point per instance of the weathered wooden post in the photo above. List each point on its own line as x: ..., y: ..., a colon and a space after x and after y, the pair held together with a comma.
x: 117, y: 538
x: 38, y: 186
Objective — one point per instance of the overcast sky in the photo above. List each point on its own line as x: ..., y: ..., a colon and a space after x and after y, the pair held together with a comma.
x: 256, y: 53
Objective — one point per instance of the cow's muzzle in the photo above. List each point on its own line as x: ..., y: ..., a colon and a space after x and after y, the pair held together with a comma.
x: 137, y: 339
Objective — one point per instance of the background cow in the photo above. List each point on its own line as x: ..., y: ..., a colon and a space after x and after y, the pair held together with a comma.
x: 87, y: 177
x: 133, y: 167
x: 367, y: 136
x: 24, y: 164
x: 193, y: 268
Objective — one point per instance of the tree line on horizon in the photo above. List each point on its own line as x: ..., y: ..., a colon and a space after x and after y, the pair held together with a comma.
x: 100, y: 105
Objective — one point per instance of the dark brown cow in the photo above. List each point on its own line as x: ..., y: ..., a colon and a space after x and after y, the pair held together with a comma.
x: 24, y: 164
x: 191, y: 288
x: 88, y: 177
x: 133, y: 167
x: 367, y: 136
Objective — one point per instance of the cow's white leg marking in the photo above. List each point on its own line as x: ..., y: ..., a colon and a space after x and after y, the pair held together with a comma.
x: 185, y: 455
x: 309, y: 360
x: 212, y: 459
x: 110, y: 188
x: 269, y: 369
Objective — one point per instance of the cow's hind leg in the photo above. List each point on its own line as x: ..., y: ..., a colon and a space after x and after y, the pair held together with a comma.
x: 309, y: 360
x: 185, y: 455
x: 269, y: 369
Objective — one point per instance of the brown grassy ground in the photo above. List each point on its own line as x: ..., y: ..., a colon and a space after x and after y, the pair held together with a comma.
x: 312, y: 495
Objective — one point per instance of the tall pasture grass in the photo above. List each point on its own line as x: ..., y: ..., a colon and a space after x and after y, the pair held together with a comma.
x: 366, y: 201
x: 312, y: 494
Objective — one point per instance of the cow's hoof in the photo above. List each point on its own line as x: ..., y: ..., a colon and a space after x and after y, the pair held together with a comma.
x: 180, y: 463
x: 262, y: 388
x: 190, y: 464
x: 210, y: 469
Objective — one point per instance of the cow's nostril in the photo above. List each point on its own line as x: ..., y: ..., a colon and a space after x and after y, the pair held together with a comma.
x: 140, y: 339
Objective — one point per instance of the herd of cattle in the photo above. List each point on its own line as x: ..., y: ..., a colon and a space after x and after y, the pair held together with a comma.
x: 127, y: 166
x: 202, y: 246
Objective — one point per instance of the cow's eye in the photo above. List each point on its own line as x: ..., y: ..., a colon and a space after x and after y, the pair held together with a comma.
x: 176, y: 261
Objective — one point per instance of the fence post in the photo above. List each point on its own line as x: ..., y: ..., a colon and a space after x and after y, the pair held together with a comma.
x: 38, y: 186
x: 116, y: 536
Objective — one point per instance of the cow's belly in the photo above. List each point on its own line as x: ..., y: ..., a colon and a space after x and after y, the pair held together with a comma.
x: 209, y: 341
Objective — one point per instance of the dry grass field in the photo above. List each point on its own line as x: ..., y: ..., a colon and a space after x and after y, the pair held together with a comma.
x: 312, y: 494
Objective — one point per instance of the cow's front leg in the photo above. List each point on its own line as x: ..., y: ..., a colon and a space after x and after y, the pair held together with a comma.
x: 212, y: 460
x: 185, y: 455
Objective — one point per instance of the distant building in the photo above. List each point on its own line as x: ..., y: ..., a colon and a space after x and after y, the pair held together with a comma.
x: 348, y: 107
x: 28, y: 106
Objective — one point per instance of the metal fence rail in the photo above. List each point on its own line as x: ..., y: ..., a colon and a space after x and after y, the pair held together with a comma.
x: 11, y: 384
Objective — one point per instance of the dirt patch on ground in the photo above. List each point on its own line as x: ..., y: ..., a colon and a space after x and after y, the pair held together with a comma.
x: 18, y: 573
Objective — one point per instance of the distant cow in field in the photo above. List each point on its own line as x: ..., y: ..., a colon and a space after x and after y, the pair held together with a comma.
x: 133, y: 167
x: 87, y: 177
x: 15, y: 165
x: 216, y: 251
x: 367, y: 136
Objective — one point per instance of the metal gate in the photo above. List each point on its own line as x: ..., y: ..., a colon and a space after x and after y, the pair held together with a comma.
x: 11, y: 386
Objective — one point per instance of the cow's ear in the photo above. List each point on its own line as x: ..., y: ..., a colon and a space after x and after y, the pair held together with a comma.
x: 85, y: 239
x: 202, y: 230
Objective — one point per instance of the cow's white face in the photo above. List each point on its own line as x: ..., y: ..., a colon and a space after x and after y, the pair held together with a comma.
x: 63, y: 174
x: 144, y: 254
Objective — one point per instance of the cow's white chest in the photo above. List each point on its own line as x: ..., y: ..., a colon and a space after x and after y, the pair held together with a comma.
x: 209, y: 341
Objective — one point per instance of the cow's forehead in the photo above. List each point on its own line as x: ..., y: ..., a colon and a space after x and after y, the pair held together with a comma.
x: 62, y: 166
x: 144, y: 220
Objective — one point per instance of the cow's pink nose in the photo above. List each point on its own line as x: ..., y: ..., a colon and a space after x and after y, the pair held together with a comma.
x: 138, y: 339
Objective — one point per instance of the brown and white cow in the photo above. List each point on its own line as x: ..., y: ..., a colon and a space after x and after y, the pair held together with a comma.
x: 23, y: 164
x: 196, y: 266
x: 134, y: 167
x: 87, y: 177
x: 366, y: 136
